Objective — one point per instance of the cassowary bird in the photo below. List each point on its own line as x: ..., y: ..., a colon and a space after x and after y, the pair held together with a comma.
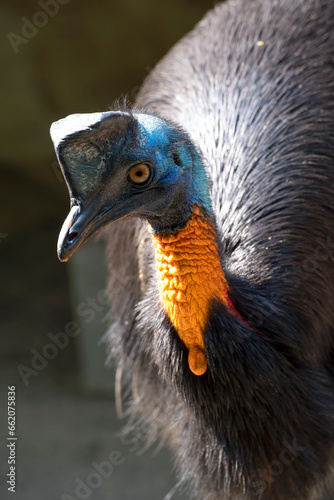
x: 222, y: 279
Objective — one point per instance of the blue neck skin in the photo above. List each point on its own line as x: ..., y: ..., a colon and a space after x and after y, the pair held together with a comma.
x: 181, y: 172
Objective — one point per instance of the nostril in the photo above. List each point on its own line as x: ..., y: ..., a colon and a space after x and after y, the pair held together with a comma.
x: 72, y: 236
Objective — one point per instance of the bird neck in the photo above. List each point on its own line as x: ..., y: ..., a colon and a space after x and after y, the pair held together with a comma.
x: 190, y: 277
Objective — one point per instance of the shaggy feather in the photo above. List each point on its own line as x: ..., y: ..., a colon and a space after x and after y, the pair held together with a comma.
x: 259, y: 424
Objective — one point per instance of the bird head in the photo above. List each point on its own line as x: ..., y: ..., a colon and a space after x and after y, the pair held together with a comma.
x: 123, y: 163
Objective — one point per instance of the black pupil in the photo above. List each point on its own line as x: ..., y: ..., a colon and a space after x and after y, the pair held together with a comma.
x: 176, y: 159
x: 139, y: 173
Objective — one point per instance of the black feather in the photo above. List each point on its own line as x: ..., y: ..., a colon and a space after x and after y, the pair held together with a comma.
x: 259, y: 424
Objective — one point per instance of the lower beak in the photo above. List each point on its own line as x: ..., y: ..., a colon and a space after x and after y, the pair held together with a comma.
x: 81, y: 224
x: 84, y: 221
x: 76, y: 230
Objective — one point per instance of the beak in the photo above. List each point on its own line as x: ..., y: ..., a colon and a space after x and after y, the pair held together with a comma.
x: 77, y: 229
x: 79, y: 226
x: 84, y: 221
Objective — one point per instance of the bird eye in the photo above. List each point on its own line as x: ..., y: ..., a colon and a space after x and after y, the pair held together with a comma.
x: 177, y: 159
x: 140, y: 173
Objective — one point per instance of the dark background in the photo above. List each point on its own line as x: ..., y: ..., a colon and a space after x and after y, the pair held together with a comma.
x: 78, y: 57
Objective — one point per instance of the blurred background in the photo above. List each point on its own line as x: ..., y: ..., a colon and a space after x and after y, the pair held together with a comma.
x: 60, y: 57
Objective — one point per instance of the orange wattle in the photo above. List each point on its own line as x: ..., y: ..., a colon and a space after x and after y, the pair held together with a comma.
x: 190, y: 276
